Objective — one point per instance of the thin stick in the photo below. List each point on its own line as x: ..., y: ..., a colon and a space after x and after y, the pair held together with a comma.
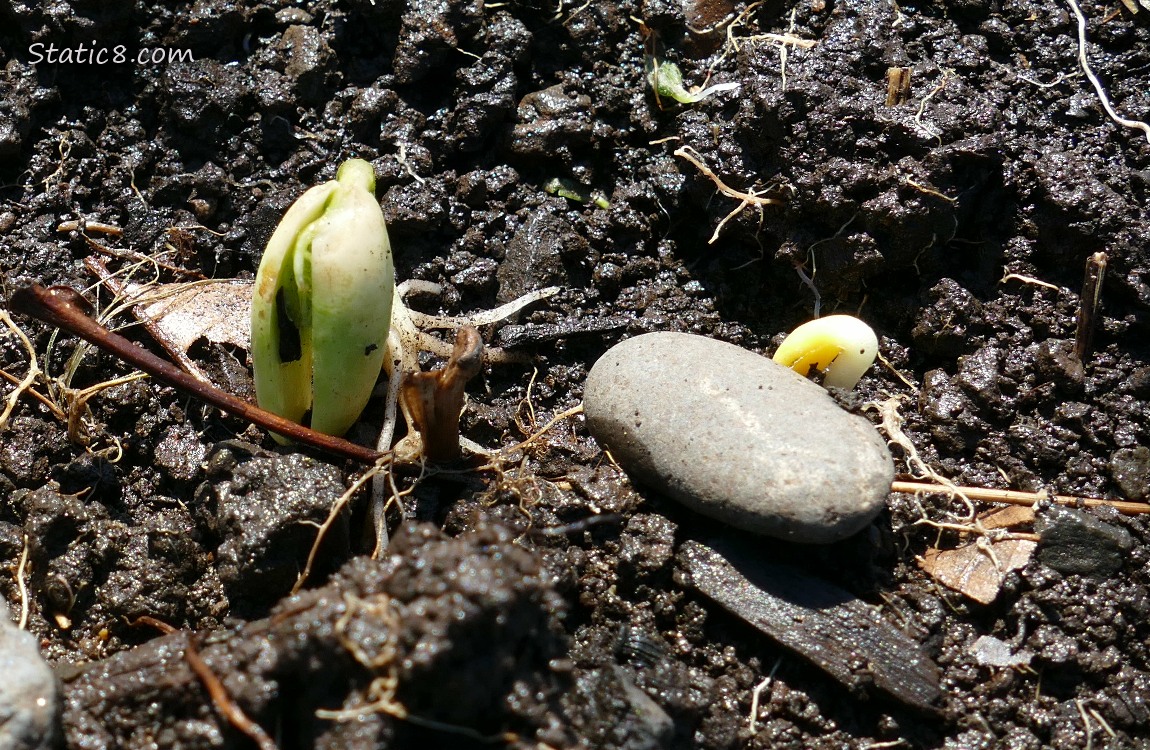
x: 224, y: 703
x: 486, y: 317
x: 1088, y: 305
x: 65, y: 308
x: 1014, y: 497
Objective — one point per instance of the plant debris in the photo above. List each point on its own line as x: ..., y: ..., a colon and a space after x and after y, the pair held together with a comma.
x: 829, y: 627
x: 978, y: 569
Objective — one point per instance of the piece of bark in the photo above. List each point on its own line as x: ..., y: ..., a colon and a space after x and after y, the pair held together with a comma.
x: 830, y: 627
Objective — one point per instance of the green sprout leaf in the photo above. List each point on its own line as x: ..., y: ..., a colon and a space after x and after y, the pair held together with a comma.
x: 321, y: 306
x: 573, y: 191
x: 667, y: 81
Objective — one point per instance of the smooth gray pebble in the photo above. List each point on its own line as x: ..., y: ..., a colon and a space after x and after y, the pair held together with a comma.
x: 737, y: 437
x: 29, y: 707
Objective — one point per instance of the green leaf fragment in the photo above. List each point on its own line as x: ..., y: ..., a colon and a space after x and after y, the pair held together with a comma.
x: 667, y: 81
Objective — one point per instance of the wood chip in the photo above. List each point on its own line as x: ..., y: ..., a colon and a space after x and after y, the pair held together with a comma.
x: 830, y: 627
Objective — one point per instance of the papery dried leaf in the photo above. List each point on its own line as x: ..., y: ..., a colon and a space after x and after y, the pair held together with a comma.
x: 218, y: 311
x: 1007, y: 517
x: 971, y: 571
x: 179, y: 315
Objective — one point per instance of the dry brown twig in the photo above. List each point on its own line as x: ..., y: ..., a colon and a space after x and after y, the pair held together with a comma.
x: 153, y: 622
x: 1016, y: 497
x: 83, y: 227
x: 892, y: 425
x: 65, y: 308
x: 1088, y: 305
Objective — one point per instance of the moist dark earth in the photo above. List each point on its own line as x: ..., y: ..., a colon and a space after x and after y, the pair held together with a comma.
x: 541, y: 600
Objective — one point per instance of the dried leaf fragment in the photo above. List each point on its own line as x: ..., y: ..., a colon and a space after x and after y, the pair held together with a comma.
x: 972, y: 571
x: 1009, y: 517
x: 179, y: 315
x: 214, y: 310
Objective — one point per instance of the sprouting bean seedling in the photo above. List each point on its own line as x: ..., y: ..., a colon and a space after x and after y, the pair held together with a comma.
x: 321, y: 303
x: 667, y: 81
x: 327, y: 314
x: 840, y: 346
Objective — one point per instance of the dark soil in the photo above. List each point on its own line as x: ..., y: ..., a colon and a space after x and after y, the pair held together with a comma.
x: 912, y: 215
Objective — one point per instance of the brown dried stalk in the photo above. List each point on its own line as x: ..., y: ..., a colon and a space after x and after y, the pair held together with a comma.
x: 65, y: 308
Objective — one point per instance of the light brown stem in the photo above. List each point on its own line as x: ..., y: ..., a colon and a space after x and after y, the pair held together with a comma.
x: 1014, y: 497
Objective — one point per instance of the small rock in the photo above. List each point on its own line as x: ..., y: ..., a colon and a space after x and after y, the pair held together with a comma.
x: 1130, y: 468
x: 28, y: 691
x: 992, y: 652
x: 1073, y: 541
x: 737, y: 437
